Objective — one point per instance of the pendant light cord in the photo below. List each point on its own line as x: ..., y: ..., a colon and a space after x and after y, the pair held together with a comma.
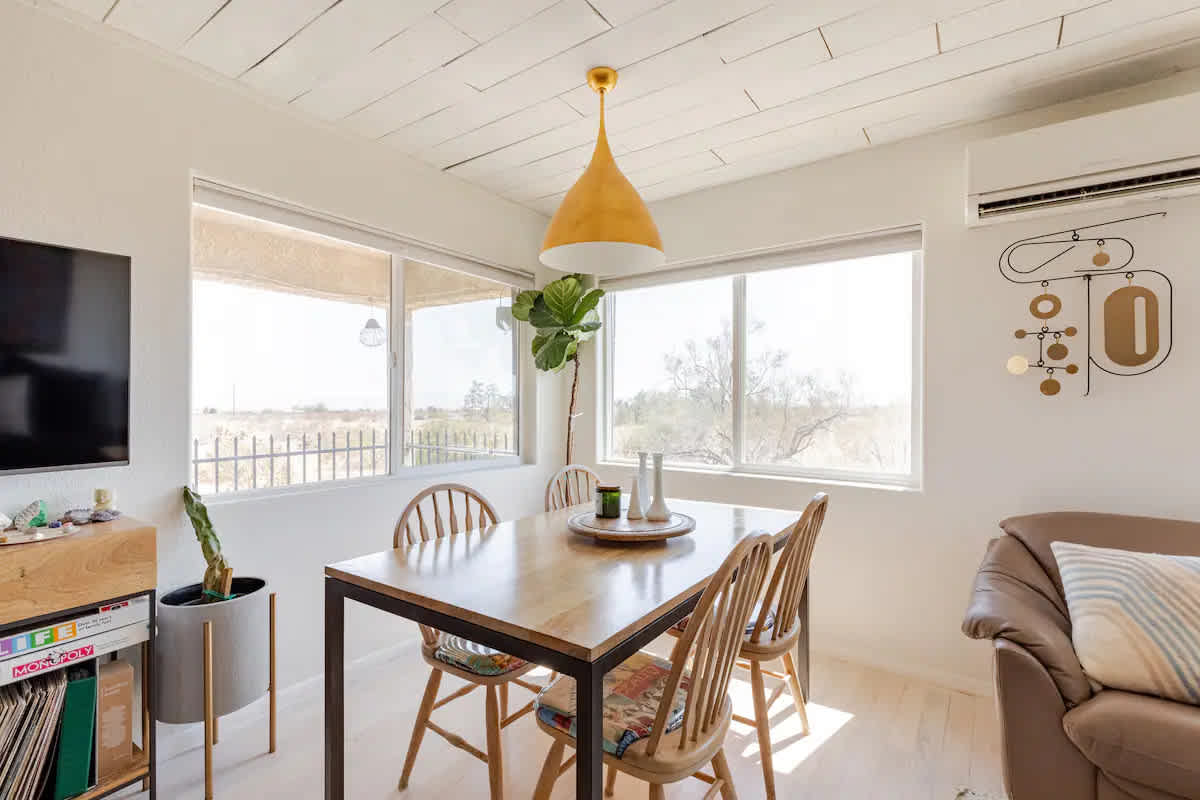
x: 603, y: 135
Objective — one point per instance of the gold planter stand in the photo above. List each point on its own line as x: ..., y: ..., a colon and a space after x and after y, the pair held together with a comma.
x: 211, y: 721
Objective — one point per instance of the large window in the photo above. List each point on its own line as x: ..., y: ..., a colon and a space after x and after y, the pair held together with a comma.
x: 673, y: 375
x: 300, y: 373
x: 805, y: 369
x: 460, y: 378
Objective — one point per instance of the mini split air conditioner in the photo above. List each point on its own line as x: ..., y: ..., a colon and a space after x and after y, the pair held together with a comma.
x: 1150, y: 151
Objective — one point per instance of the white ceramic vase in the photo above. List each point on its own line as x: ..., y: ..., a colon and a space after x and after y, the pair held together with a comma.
x: 635, y: 500
x: 638, y: 491
x: 643, y: 476
x: 658, y: 511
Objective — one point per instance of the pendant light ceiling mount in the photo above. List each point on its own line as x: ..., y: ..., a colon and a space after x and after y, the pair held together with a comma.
x: 602, y: 79
x: 602, y: 226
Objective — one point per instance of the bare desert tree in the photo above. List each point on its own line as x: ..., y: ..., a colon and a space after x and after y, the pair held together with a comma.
x: 785, y: 411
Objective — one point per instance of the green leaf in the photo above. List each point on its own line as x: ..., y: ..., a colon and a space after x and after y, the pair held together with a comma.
x: 587, y: 329
x: 588, y: 303
x: 561, y: 296
x: 582, y: 333
x: 540, y: 316
x: 553, y: 354
x: 524, y: 304
x: 539, y: 341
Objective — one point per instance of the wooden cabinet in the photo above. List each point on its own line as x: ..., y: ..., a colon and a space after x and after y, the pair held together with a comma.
x: 103, y: 561
x: 45, y: 582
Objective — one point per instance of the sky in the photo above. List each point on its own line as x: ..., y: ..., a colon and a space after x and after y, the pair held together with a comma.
x: 455, y: 345
x: 277, y: 350
x: 848, y: 315
x: 266, y: 349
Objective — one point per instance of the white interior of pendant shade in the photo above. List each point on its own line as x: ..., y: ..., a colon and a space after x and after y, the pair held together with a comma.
x: 603, y: 258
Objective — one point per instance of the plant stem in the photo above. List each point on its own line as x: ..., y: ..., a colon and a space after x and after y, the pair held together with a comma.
x: 571, y: 413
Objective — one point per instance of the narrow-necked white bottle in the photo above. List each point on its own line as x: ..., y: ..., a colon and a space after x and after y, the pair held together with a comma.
x: 643, y: 476
x: 658, y: 511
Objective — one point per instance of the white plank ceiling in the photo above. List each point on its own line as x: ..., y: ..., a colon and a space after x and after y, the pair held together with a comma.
x: 710, y: 91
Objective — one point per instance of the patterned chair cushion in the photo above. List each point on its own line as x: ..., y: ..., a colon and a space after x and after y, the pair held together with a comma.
x: 632, y: 693
x: 465, y: 654
x: 681, y: 626
x: 1135, y: 618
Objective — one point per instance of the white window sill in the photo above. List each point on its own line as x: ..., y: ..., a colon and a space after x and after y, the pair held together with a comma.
x: 906, y: 483
x: 404, y: 474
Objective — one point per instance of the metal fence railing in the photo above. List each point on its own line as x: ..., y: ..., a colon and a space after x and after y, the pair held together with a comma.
x: 443, y: 447
x: 237, y: 463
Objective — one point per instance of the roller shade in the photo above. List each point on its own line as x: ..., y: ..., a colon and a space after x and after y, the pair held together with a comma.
x: 233, y: 248
x: 426, y: 286
x: 351, y: 274
x: 876, y: 243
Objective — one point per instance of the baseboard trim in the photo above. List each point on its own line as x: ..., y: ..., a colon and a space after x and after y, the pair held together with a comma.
x: 909, y: 669
x: 175, y: 740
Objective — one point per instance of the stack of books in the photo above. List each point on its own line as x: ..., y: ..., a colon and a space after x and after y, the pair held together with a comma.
x: 53, y: 691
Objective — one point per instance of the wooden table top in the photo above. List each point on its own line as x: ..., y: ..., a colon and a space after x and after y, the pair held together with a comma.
x: 533, y: 579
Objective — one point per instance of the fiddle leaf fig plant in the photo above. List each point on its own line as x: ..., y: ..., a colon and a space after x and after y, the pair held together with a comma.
x: 563, y: 315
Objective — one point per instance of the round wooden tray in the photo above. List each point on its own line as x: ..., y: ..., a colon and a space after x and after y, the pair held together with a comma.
x: 12, y: 536
x: 630, y: 530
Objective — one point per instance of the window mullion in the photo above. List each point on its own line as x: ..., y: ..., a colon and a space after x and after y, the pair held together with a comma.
x: 608, y: 418
x: 738, y: 375
x: 518, y: 347
x: 397, y: 366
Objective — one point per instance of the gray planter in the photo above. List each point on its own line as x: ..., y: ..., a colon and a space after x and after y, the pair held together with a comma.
x: 241, y: 651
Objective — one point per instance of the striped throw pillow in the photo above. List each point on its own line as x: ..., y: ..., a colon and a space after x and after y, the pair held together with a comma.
x: 1135, y: 618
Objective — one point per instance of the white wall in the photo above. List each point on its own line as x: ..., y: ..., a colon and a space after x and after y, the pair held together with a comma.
x: 893, y: 569
x: 98, y: 143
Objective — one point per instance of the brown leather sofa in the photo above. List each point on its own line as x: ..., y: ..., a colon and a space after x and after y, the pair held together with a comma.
x: 1062, y: 738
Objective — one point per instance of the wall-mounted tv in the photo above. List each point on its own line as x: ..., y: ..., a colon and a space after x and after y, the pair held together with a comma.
x: 64, y: 357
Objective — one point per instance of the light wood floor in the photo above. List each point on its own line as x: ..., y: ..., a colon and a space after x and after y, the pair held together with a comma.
x: 875, y: 736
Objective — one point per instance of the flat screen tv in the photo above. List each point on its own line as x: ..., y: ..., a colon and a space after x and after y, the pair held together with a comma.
x: 64, y: 357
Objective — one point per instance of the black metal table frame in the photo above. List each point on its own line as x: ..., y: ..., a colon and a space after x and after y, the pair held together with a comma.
x: 589, y: 762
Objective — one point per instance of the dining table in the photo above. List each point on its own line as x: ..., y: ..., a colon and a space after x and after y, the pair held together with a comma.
x: 532, y: 588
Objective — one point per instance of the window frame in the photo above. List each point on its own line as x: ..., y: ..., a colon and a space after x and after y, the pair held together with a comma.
x: 736, y: 268
x: 400, y: 249
x: 396, y: 401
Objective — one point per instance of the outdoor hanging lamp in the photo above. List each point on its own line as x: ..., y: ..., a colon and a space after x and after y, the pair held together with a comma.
x: 372, y: 334
x: 602, y: 226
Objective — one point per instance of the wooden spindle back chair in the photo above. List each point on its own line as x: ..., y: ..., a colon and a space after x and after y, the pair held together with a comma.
x: 712, y: 641
x: 780, y: 611
x: 444, y: 510
x: 435, y: 513
x: 781, y: 603
x: 706, y: 654
x: 571, y: 485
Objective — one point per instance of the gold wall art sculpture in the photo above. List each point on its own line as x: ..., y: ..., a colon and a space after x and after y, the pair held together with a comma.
x: 1045, y: 307
x: 1136, y: 320
x: 1130, y: 337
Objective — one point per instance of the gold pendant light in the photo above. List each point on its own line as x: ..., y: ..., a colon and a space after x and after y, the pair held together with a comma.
x: 602, y: 226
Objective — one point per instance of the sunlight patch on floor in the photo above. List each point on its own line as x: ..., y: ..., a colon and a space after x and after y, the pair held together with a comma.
x: 540, y: 674
x: 791, y: 747
x: 825, y: 723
